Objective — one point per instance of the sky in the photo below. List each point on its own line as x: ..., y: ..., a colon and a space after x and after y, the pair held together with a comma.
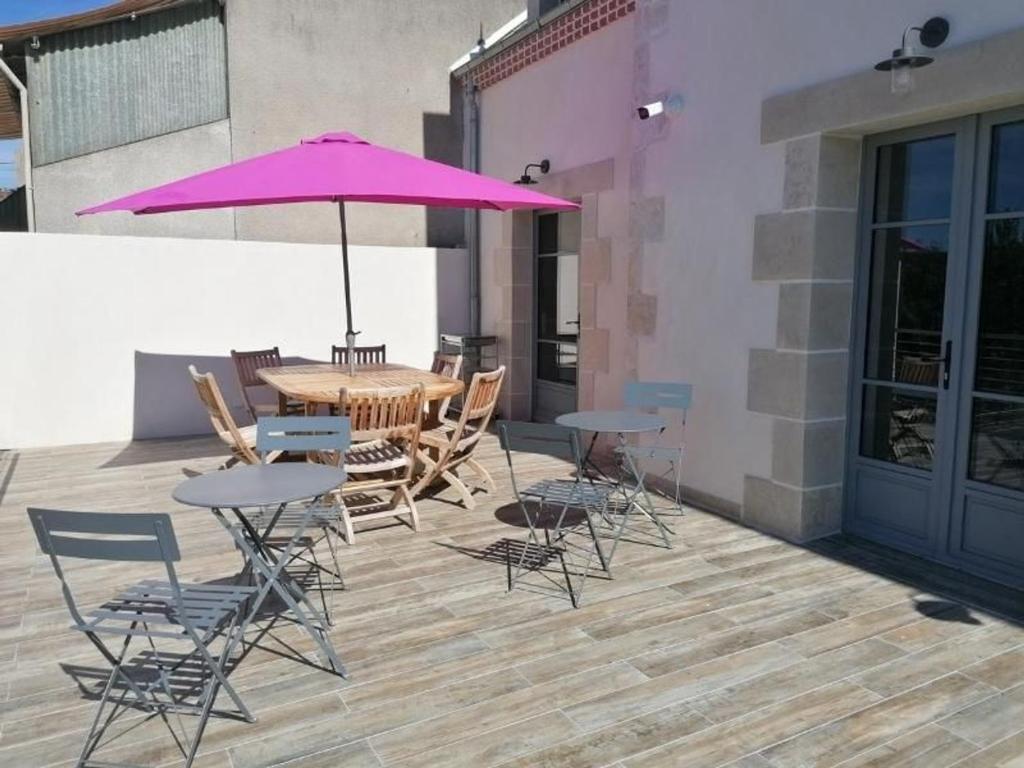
x: 16, y: 12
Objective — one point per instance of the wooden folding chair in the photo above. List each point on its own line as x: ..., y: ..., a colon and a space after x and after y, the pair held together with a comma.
x: 454, y: 444
x: 450, y: 366
x: 246, y: 365
x: 385, y: 433
x: 241, y: 440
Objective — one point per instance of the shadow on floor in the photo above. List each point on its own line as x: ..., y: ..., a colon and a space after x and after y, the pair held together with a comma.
x: 963, y: 591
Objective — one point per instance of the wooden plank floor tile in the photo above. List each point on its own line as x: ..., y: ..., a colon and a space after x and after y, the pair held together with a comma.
x: 730, y: 649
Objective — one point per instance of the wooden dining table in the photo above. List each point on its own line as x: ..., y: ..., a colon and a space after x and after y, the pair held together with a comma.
x: 317, y: 384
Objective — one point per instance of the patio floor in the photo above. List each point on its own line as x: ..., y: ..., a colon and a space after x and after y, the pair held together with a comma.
x: 733, y: 648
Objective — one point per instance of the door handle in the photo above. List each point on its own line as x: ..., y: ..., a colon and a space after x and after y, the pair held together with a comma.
x: 947, y: 361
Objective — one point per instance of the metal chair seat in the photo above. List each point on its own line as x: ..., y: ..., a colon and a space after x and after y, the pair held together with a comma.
x: 662, y: 452
x: 320, y: 514
x: 206, y: 607
x: 572, y: 492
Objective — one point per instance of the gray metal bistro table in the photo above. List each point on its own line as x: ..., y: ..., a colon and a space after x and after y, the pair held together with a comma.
x: 269, y: 486
x: 622, y: 424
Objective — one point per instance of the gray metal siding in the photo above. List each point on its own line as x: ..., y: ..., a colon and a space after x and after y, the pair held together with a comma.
x: 116, y: 83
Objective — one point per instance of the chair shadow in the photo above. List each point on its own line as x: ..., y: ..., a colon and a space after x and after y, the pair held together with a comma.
x: 513, y: 553
x: 944, y: 610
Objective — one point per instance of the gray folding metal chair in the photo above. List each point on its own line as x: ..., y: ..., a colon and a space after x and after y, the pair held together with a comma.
x: 656, y: 396
x: 559, y: 495
x: 197, y: 614
x: 324, y: 439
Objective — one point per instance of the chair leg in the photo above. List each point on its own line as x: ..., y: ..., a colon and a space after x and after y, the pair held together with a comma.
x: 482, y: 473
x: 429, y: 473
x: 346, y: 522
x: 414, y: 515
x: 455, y: 482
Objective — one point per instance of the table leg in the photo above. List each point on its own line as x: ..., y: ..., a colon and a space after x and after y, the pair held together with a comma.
x: 271, y: 568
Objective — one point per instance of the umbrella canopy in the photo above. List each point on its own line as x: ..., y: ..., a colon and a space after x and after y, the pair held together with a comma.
x: 334, y: 167
x: 338, y: 168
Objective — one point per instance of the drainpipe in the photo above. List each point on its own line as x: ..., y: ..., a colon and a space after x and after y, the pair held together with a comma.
x: 471, y: 96
x: 26, y: 141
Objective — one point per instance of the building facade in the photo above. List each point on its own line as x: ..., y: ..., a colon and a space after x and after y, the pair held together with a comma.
x: 148, y: 91
x: 836, y: 267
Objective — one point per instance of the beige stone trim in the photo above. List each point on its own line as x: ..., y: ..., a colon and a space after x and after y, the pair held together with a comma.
x: 974, y: 77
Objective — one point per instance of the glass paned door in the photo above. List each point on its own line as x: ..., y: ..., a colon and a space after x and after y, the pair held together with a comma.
x: 903, y: 356
x: 936, y: 461
x: 557, y: 320
x: 987, y: 508
x: 997, y: 420
x: 913, y: 250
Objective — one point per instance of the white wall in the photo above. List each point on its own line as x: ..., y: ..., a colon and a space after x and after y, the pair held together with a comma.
x: 724, y: 58
x: 97, y: 331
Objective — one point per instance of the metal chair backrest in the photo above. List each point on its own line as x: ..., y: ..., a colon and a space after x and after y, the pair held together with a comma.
x: 450, y: 366
x: 246, y: 365
x: 362, y: 355
x: 658, y: 394
x: 544, y: 439
x: 105, y: 536
x: 302, y: 433
x: 220, y: 417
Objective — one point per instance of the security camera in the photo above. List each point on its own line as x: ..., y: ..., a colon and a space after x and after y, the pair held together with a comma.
x: 670, y: 104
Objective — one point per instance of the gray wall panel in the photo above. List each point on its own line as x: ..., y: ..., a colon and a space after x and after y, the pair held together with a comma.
x: 117, y: 83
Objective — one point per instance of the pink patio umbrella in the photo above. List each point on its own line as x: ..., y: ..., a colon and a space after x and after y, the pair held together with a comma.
x: 336, y: 168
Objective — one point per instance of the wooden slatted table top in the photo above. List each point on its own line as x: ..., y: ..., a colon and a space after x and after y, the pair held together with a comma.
x: 320, y: 382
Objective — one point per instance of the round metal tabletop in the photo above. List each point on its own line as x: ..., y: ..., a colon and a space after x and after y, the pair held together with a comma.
x: 621, y: 422
x: 259, y: 485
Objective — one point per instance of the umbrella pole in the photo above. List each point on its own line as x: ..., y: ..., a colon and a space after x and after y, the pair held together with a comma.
x: 350, y: 335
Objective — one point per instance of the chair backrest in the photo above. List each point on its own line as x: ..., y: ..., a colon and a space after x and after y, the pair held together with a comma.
x: 220, y: 417
x: 545, y: 439
x: 302, y: 433
x: 394, y: 414
x: 478, y: 407
x: 658, y: 394
x: 450, y: 366
x: 105, y: 536
x: 246, y: 365
x: 361, y: 355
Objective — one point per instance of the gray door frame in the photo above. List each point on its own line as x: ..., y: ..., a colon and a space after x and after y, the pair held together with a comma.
x: 948, y: 487
x: 931, y: 487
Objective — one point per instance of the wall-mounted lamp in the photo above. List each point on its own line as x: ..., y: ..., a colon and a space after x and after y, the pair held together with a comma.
x: 667, y: 106
x: 543, y: 166
x: 906, y: 58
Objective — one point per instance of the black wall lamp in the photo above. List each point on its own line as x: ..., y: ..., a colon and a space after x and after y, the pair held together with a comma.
x: 907, y: 58
x: 543, y: 166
